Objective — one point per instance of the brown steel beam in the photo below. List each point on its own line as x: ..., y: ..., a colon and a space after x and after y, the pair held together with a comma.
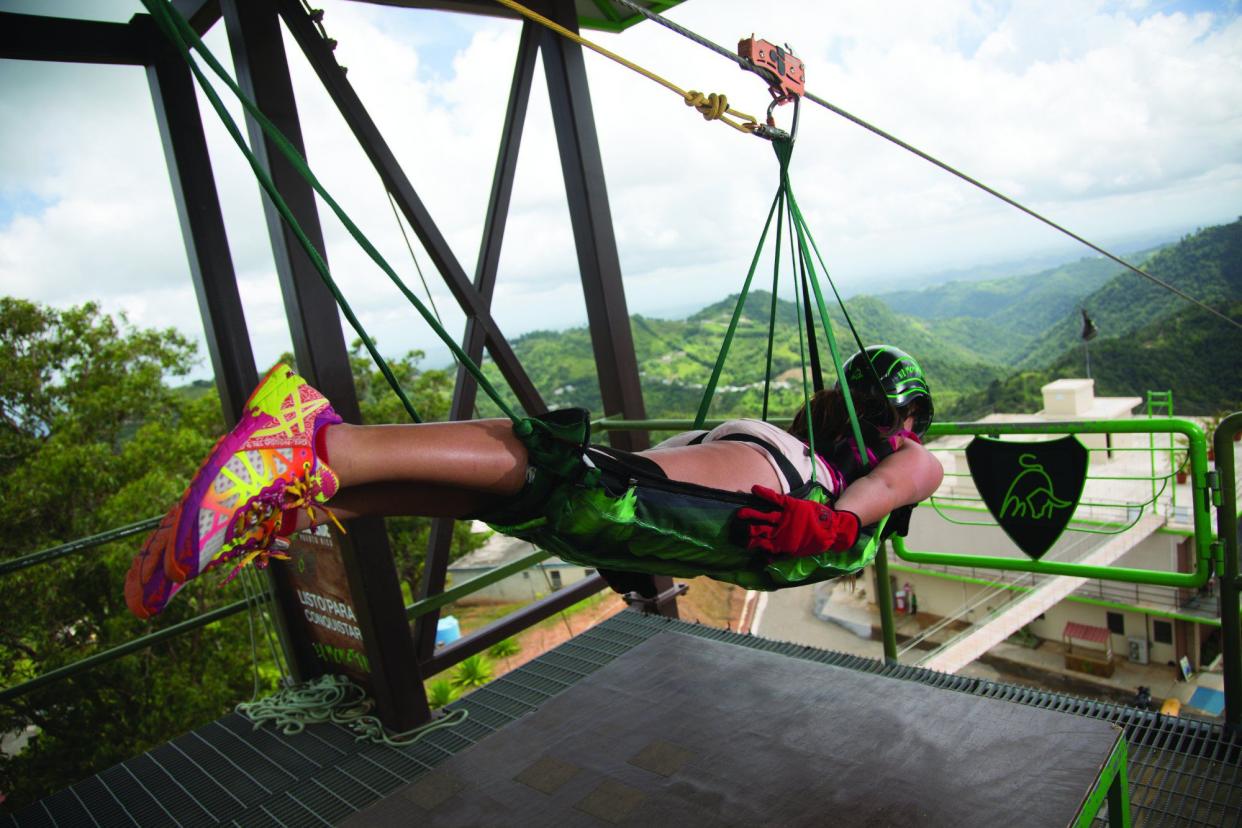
x: 395, y: 180
x: 200, y: 14
x: 511, y: 624
x: 263, y: 74
x: 35, y: 37
x: 202, y: 222
x: 587, y: 194
x: 465, y: 391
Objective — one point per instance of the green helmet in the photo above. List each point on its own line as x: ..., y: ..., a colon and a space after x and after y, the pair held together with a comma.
x: 901, y: 378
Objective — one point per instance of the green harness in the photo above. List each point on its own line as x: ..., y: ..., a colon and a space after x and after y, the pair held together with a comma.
x: 646, y: 523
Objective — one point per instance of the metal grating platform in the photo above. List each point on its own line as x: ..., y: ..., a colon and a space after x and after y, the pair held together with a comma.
x: 1182, y: 772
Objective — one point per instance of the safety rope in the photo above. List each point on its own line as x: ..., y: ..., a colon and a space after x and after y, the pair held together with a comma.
x: 888, y: 136
x: 338, y: 700
x: 712, y: 106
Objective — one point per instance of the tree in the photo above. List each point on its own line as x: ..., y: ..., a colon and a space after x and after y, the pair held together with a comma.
x: 91, y: 438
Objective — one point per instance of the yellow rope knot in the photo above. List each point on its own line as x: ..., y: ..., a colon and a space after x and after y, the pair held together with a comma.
x: 710, y: 106
x: 715, y: 107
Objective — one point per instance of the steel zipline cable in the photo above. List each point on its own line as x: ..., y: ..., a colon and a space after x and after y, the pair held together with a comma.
x: 888, y: 136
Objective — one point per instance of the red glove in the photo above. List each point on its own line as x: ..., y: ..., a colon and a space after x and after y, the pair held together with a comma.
x: 798, y: 527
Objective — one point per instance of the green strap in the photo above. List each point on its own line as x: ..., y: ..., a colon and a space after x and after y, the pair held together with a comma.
x: 710, y: 390
x: 183, y: 36
x: 776, y: 282
x: 800, y: 226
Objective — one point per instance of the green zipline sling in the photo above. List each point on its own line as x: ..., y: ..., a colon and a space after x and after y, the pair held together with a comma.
x: 650, y: 524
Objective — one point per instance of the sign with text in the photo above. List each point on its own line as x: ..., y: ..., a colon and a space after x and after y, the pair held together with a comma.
x: 1032, y: 489
x: 320, y: 588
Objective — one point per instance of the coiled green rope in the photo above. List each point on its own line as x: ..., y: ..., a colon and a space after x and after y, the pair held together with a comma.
x: 338, y: 700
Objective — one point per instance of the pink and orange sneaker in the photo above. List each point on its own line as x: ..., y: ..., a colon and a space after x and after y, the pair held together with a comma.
x: 233, y: 510
x: 147, y: 589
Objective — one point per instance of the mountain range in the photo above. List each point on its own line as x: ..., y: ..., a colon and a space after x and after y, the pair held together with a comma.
x: 985, y: 345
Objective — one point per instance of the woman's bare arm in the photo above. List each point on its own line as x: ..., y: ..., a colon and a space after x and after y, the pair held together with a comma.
x: 908, y: 475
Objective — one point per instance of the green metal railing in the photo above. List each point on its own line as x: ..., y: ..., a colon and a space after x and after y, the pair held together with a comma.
x: 80, y: 545
x: 1225, y: 498
x: 1200, y: 511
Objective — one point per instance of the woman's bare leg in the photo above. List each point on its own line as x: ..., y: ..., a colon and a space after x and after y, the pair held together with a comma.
x: 461, y: 468
x: 482, y: 456
x: 403, y: 499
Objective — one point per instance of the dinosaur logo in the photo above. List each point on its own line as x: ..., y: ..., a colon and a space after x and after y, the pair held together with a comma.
x: 1030, y: 494
x: 1031, y: 489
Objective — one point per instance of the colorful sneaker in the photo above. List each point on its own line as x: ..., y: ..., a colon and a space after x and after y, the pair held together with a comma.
x: 147, y: 588
x: 264, y: 467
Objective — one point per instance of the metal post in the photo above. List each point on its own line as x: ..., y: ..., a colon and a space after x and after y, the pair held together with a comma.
x: 583, y: 168
x: 465, y: 391
x: 394, y: 178
x: 263, y: 74
x: 202, y: 223
x: 587, y: 195
x: 884, y: 597
x: 1230, y: 584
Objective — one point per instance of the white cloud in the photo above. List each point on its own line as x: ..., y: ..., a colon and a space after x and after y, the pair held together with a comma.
x: 1118, y: 119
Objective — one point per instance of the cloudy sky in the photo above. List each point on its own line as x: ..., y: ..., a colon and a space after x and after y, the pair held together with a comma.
x: 1122, y: 120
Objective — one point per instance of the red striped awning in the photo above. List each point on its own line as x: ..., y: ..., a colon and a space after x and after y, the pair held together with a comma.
x: 1086, y: 632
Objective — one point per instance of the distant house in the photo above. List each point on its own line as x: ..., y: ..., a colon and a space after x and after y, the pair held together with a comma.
x: 530, y: 584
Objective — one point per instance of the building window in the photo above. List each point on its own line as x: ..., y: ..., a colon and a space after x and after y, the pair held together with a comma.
x: 556, y: 579
x: 1162, y: 632
x: 1116, y: 623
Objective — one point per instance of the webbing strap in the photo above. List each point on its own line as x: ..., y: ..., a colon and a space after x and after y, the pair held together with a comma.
x: 183, y: 37
x: 776, y: 281
x: 785, y: 206
x: 710, y: 389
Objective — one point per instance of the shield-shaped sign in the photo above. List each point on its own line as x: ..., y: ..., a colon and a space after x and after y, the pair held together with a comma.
x: 1032, y: 489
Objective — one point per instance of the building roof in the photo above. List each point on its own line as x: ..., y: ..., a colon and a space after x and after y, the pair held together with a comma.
x: 1086, y: 632
x: 498, y: 551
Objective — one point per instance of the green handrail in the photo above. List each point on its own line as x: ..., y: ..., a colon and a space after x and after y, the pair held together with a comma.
x: 54, y: 552
x: 1197, y: 444
x: 1138, y: 609
x: 128, y: 647
x: 434, y: 602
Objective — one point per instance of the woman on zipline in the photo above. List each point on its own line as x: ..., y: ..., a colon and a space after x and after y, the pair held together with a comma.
x: 291, y: 455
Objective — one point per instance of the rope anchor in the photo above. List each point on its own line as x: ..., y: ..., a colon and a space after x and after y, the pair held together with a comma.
x: 784, y: 72
x: 785, y: 75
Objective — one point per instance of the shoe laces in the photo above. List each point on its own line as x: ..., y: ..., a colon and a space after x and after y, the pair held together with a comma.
x: 257, y: 526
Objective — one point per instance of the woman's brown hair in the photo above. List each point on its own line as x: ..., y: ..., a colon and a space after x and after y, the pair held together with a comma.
x: 830, y: 420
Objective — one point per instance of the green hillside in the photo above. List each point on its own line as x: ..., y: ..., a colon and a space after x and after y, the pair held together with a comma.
x: 1042, y: 292
x: 676, y: 357
x: 1206, y: 265
x: 1190, y: 353
x: 986, y: 346
x: 1004, y: 317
